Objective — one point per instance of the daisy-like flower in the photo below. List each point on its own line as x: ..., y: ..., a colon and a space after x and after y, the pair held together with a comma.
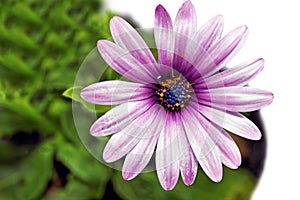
x: 180, y: 106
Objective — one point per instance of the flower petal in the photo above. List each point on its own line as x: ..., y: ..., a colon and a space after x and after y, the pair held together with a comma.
x: 235, y: 99
x: 138, y: 158
x: 125, y: 140
x: 199, y: 46
x: 210, y: 32
x: 230, y: 153
x: 236, y: 76
x: 163, y: 34
x: 222, y: 51
x: 188, y: 166
x: 185, y: 27
x: 233, y: 122
x: 115, y: 92
x: 205, y: 150
x: 212, y: 165
x: 168, y: 154
x: 124, y: 63
x: 119, y: 117
x: 128, y: 38
x: 186, y: 20
x: 141, y: 154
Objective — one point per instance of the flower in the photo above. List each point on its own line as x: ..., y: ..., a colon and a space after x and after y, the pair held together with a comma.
x: 180, y: 105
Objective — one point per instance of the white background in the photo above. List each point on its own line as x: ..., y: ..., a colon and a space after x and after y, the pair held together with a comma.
x: 274, y: 35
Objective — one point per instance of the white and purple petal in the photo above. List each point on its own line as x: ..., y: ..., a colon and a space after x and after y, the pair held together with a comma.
x: 115, y: 92
x: 235, y: 99
x: 186, y: 20
x: 124, y: 141
x: 124, y: 63
x: 168, y: 154
x: 232, y: 121
x: 209, y: 33
x: 119, y: 117
x: 185, y: 27
x: 222, y: 51
x: 229, y: 152
x: 235, y: 76
x: 164, y: 38
x: 205, y: 150
x: 188, y: 163
x: 138, y: 158
x: 128, y: 38
x: 200, y: 44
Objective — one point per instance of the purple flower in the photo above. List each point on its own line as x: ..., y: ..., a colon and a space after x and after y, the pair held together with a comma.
x: 179, y: 105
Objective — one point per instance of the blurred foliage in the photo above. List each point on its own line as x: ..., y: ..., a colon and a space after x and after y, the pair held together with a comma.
x: 42, y: 45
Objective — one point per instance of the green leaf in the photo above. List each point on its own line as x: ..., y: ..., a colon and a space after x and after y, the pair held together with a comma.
x: 55, y: 42
x: 88, y: 177
x: 76, y: 189
x: 21, y: 111
x: 15, y: 64
x: 74, y: 94
x: 31, y: 177
x: 38, y: 170
x: 60, y: 79
x: 10, y: 153
x: 236, y: 184
x: 58, y: 17
x: 23, y: 12
x: 81, y: 163
x: 57, y: 107
x: 22, y: 40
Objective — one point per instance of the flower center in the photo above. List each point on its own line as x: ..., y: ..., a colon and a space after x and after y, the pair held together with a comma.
x: 174, y: 93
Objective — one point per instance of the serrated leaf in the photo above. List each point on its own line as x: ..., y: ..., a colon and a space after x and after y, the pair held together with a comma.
x: 16, y: 65
x: 21, y: 39
x: 4, y: 35
x: 59, y: 18
x: 55, y: 42
x: 22, y: 11
x: 24, y: 110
